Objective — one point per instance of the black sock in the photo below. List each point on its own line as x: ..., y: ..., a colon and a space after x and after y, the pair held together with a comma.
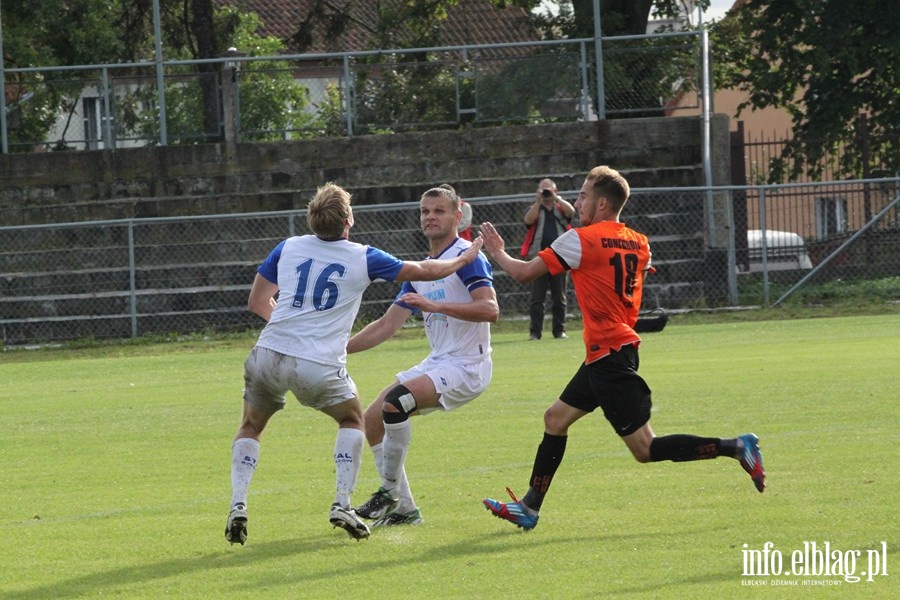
x: 683, y: 448
x: 730, y: 447
x: 546, y: 462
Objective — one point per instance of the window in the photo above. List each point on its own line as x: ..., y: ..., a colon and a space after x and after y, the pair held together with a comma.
x: 831, y: 216
x: 91, y: 107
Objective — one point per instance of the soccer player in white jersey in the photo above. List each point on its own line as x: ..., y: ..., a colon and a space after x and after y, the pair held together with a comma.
x: 457, y: 312
x: 319, y: 280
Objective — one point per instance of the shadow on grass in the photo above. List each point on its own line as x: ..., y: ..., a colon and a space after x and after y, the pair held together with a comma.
x: 494, y: 543
x: 669, y: 587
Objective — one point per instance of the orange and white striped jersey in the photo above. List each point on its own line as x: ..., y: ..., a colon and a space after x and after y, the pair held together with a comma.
x: 608, y: 262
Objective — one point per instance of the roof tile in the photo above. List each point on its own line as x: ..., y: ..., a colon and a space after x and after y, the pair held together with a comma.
x: 471, y: 22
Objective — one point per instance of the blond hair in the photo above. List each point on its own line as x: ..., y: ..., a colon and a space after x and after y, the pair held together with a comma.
x: 610, y: 184
x: 328, y: 212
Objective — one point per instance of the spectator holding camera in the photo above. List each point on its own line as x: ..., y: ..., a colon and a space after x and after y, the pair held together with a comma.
x: 548, y: 217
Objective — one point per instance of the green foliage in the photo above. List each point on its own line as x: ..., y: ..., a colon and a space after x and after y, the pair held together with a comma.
x: 77, y: 32
x: 34, y: 110
x: 826, y: 63
x: 848, y: 293
x: 50, y: 33
x: 331, y: 116
x: 561, y: 19
x: 411, y: 24
x: 271, y: 101
x: 130, y: 451
x: 526, y: 87
x: 45, y: 34
x: 640, y: 76
x: 56, y: 33
x: 272, y: 104
x: 394, y: 91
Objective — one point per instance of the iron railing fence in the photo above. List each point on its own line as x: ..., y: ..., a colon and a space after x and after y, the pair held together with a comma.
x: 818, y: 232
x: 132, y: 277
x: 866, y: 154
x: 343, y: 94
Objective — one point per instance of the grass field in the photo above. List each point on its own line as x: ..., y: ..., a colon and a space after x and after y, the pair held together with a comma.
x: 116, y: 474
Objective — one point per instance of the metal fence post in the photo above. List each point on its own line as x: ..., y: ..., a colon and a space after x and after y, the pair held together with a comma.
x: 732, y: 253
x: 763, y: 247
x: 231, y: 104
x: 463, y: 71
x: 132, y: 279
x: 706, y: 143
x: 348, y: 104
x: 160, y: 85
x: 3, y: 132
x: 585, y: 101
x: 108, y: 140
x: 598, y: 55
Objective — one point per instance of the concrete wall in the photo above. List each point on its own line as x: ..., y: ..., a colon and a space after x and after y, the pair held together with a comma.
x: 205, y: 179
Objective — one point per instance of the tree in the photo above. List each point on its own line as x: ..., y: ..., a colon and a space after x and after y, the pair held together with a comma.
x: 639, y: 74
x: 826, y: 62
x: 86, y: 32
x: 52, y: 34
x: 204, y: 30
x: 575, y: 18
x: 391, y: 90
x: 619, y: 17
x: 390, y: 24
x: 271, y: 101
x: 413, y: 24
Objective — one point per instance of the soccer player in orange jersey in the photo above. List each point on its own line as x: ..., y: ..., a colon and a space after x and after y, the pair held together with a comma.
x: 608, y: 262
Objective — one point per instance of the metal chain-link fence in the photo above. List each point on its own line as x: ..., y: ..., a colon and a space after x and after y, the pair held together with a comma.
x: 125, y: 278
x: 813, y: 233
x: 258, y: 98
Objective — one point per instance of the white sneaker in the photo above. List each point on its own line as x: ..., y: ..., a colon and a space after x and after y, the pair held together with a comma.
x: 347, y: 520
x: 236, y: 527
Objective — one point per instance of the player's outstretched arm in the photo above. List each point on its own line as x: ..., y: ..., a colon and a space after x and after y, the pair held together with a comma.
x: 520, y: 270
x: 379, y: 330
x: 430, y: 270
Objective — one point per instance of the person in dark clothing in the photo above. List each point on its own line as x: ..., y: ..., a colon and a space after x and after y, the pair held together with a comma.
x: 547, y: 218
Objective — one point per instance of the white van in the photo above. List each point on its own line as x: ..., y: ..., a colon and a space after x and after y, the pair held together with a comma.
x: 785, y: 250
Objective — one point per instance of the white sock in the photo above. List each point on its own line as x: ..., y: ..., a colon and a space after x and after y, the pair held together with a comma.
x: 348, y: 449
x: 378, y: 455
x: 244, y: 455
x: 407, y: 502
x: 394, y: 449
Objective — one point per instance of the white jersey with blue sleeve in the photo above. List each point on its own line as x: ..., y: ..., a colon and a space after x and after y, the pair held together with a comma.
x: 452, y: 338
x: 320, y: 288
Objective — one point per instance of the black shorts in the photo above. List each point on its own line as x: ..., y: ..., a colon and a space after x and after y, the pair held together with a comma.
x: 613, y: 384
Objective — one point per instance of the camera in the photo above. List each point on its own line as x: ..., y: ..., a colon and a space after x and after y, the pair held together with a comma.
x: 546, y: 193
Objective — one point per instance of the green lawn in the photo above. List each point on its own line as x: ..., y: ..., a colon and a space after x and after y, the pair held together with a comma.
x: 116, y: 479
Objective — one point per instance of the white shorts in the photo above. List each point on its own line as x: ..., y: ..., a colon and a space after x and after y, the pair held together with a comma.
x: 458, y: 384
x: 269, y: 375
